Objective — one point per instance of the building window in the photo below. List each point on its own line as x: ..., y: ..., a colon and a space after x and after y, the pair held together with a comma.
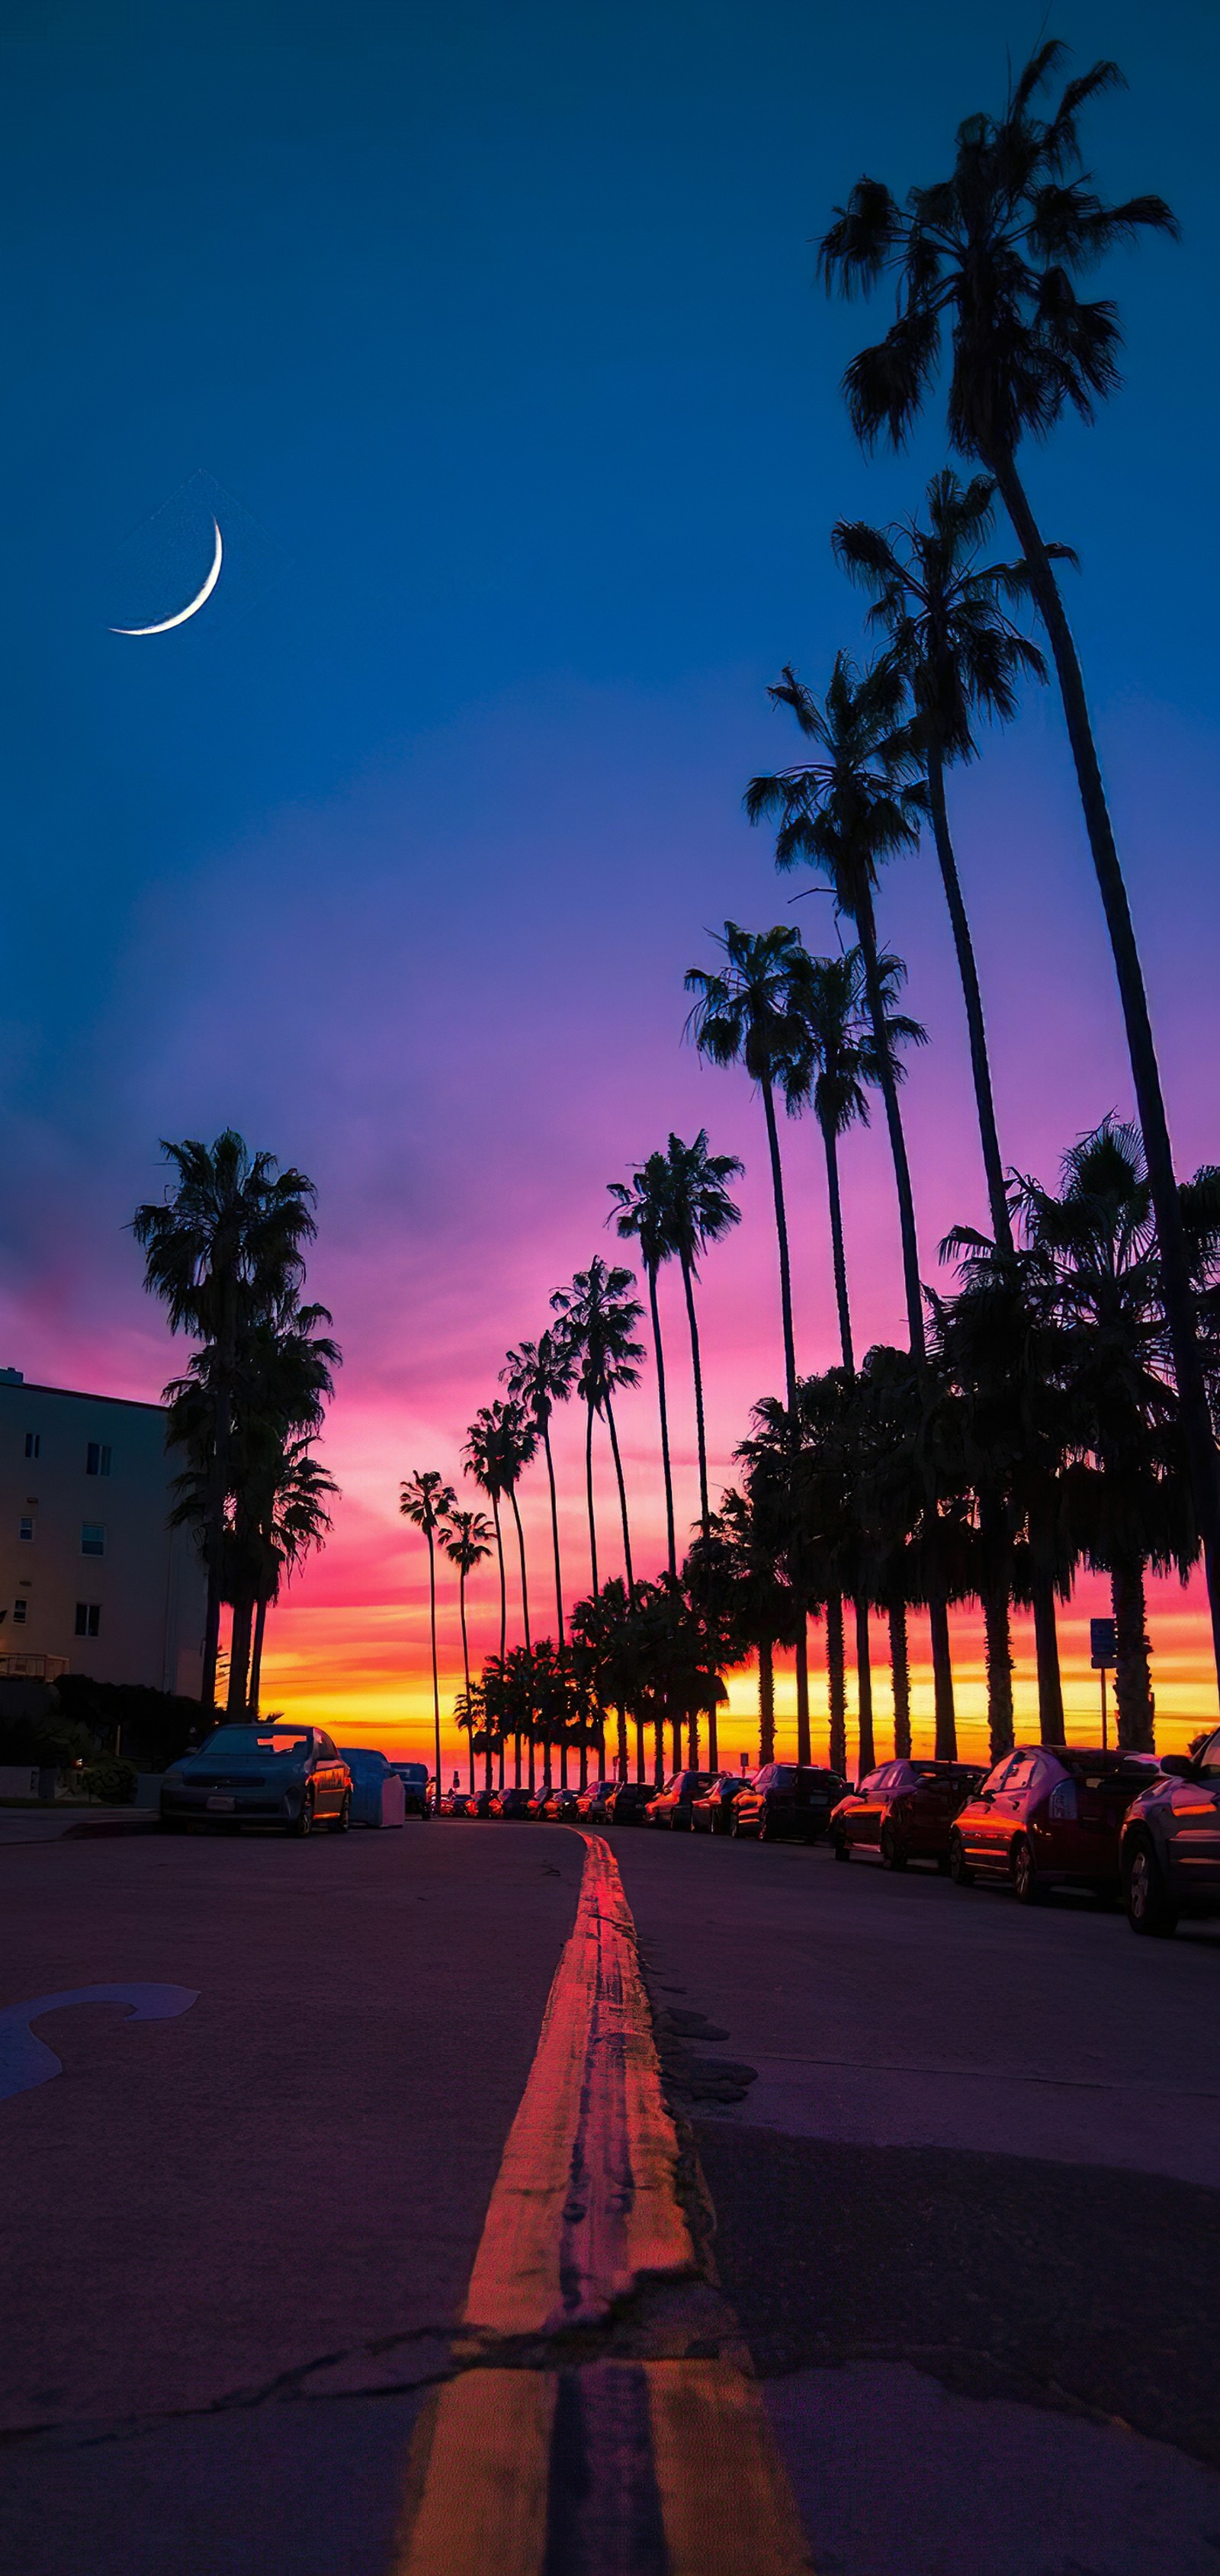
x: 33, y: 1444
x: 88, y: 1618
x: 20, y: 1607
x: 25, y: 1526
x: 92, y: 1538
x: 97, y: 1459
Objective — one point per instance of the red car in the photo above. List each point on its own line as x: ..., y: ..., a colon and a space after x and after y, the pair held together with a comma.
x: 1049, y: 1816
x: 904, y: 1811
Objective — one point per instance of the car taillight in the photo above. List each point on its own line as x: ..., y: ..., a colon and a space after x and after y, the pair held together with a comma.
x: 1063, y: 1802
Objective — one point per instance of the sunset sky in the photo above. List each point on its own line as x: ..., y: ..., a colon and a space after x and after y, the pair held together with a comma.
x: 495, y: 331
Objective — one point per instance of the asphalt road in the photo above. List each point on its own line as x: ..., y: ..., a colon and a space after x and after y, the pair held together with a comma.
x: 965, y: 2164
x: 225, y: 2232
x: 966, y: 2174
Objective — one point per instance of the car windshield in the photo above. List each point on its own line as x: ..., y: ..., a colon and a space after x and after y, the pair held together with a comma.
x: 960, y: 1775
x: 411, y: 1771
x: 257, y: 1744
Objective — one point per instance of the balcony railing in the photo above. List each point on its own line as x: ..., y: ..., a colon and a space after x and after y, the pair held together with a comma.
x: 32, y: 1668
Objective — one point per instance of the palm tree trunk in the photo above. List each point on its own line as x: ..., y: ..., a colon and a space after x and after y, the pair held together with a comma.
x: 466, y: 1668
x: 900, y: 1679
x: 831, y: 1143
x: 942, y: 1674
x: 550, y: 1471
x: 785, y: 1298
x: 867, y: 929
x: 766, y: 1702
x: 525, y: 1598
x: 211, y: 1641
x: 697, y: 1373
x: 620, y: 1761
x: 622, y: 1497
x: 1133, y: 1699
x: 996, y: 1590
x: 239, y: 1655
x: 495, y: 1513
x: 658, y: 1765
x: 1046, y: 1650
x: 436, y: 1682
x: 836, y: 1683
x: 1150, y: 1105
x: 979, y: 1064
x: 256, y: 1656
x: 589, y: 1493
x: 864, y: 1686
x: 641, y: 1771
x: 658, y: 1347
x: 713, y: 1736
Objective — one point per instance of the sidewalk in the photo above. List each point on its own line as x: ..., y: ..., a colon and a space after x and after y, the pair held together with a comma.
x: 53, y: 1824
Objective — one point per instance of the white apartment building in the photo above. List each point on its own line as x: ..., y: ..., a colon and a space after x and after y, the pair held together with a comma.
x: 92, y: 1579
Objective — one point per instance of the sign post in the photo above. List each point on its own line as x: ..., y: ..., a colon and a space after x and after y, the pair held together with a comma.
x: 1103, y: 1652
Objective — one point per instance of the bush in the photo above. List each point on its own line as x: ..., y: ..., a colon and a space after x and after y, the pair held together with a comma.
x: 156, y: 1725
x: 111, y: 1780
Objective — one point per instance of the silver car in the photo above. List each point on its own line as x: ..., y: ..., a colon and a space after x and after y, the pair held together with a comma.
x: 292, y: 1776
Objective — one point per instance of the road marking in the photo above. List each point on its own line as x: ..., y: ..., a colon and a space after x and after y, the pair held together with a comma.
x: 26, y: 2061
x: 587, y: 2286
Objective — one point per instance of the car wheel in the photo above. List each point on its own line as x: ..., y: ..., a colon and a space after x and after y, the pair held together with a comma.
x: 842, y: 1847
x: 303, y: 1824
x: 341, y: 1824
x: 1027, y: 1887
x: 959, y: 1867
x: 1150, y: 1907
x: 892, y: 1854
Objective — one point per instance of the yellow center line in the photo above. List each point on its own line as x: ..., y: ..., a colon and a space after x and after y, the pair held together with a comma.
x: 585, y: 2212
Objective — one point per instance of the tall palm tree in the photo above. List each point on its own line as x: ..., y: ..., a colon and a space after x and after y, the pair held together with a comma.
x: 299, y: 1522
x: 483, y: 1458
x: 539, y: 1375
x: 223, y: 1252
x: 701, y: 1213
x: 467, y: 1541
x: 745, y: 1015
x: 962, y: 658
x: 518, y: 1442
x: 599, y: 1317
x: 830, y: 1071
x: 642, y: 1211
x: 986, y: 261
x: 426, y: 1501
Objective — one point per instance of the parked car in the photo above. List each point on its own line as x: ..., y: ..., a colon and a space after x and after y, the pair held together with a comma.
x: 626, y: 1803
x: 904, y: 1811
x: 784, y: 1803
x: 416, y: 1787
x: 1049, y: 1816
x: 712, y: 1811
x: 478, y: 1802
x: 1170, y: 1851
x: 292, y: 1776
x: 511, y: 1802
x: 558, y: 1805
x: 591, y: 1802
x: 671, y: 1805
x: 377, y: 1791
x: 453, y: 1802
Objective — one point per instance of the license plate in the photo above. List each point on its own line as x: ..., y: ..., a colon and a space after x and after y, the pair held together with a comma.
x: 222, y: 1806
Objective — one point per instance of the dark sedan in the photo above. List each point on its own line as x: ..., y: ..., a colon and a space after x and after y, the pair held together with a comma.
x: 787, y: 1803
x: 671, y: 1806
x: 416, y: 1787
x: 904, y: 1811
x: 1170, y: 1852
x: 713, y: 1812
x: 1049, y: 1816
x: 291, y: 1776
x: 626, y: 1804
x: 513, y: 1803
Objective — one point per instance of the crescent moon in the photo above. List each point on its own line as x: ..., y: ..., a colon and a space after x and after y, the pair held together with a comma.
x: 192, y: 606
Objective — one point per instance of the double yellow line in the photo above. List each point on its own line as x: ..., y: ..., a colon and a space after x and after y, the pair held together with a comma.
x: 585, y: 2219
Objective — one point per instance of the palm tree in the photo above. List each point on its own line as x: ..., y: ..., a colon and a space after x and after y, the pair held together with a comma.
x: 539, y: 1375
x: 599, y: 1317
x: 751, y: 1591
x: 830, y: 1071
x: 642, y: 1211
x: 961, y: 657
x: 426, y: 1501
x: 987, y: 260
x: 299, y: 1521
x: 518, y: 1442
x: 467, y: 1541
x: 483, y: 1458
x: 223, y: 1253
x: 700, y: 1213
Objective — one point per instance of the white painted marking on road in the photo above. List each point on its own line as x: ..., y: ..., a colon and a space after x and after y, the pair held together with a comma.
x: 26, y: 2061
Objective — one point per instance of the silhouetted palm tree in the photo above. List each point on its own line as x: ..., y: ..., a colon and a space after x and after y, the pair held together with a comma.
x: 467, y: 1541
x: 298, y: 1522
x: 642, y: 1211
x: 962, y: 658
x: 830, y: 1071
x: 539, y: 1375
x: 483, y: 1458
x: 745, y: 1015
x: 986, y: 261
x: 426, y: 1500
x: 701, y: 1212
x: 599, y: 1317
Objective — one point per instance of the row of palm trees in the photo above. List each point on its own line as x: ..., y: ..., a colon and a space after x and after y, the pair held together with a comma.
x: 1058, y: 1408
x: 224, y: 1249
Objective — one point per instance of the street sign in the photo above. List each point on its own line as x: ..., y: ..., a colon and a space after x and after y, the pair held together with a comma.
x: 1103, y: 1644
